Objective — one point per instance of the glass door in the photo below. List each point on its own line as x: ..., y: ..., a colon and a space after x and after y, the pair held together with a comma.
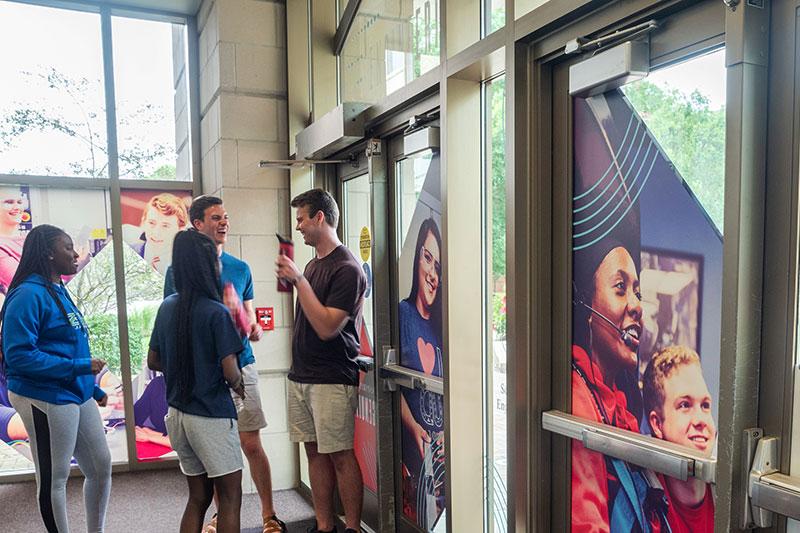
x: 647, y: 204
x: 416, y: 365
x: 359, y: 209
x: 779, y: 386
x: 643, y: 316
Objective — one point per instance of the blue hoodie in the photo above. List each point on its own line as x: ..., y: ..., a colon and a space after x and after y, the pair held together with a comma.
x: 46, y: 356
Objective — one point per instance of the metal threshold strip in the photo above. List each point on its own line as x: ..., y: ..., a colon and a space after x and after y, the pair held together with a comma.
x: 396, y: 375
x: 641, y: 450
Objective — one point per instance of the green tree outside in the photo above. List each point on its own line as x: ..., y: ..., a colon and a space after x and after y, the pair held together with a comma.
x: 692, y: 135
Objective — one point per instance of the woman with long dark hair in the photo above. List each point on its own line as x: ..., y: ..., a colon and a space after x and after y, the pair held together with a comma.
x: 422, y: 412
x: 49, y: 372
x: 195, y: 344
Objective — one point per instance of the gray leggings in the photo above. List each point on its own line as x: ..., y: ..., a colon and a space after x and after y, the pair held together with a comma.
x: 57, y: 433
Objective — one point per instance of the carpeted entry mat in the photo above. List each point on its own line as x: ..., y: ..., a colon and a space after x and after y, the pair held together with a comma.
x: 297, y: 527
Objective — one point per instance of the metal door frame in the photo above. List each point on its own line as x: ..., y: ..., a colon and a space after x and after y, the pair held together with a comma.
x: 544, y: 157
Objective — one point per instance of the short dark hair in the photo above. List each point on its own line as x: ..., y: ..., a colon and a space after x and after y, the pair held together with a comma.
x: 197, y: 211
x: 319, y: 200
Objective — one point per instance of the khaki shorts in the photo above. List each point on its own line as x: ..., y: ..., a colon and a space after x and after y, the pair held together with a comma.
x: 204, y: 445
x: 323, y: 413
x: 251, y: 415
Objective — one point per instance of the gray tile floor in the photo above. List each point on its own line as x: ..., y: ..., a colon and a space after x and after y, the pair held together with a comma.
x: 144, y: 502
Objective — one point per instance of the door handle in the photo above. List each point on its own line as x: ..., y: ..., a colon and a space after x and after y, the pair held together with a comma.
x: 768, y: 491
x: 647, y: 452
x: 394, y: 375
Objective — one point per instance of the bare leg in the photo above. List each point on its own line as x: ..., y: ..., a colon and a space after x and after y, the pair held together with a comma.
x: 351, y: 487
x: 229, y: 492
x: 259, y: 469
x: 200, y: 490
x: 323, y: 477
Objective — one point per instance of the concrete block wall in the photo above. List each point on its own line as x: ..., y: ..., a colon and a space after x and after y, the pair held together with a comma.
x: 243, y: 109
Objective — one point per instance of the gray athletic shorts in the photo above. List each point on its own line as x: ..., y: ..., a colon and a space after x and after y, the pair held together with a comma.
x: 249, y: 411
x: 204, y: 445
x: 323, y: 413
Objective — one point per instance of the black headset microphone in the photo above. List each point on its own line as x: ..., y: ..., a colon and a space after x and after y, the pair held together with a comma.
x: 626, y: 337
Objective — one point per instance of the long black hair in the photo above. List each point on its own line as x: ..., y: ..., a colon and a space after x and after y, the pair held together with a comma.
x: 428, y: 226
x: 195, y: 264
x: 36, y: 255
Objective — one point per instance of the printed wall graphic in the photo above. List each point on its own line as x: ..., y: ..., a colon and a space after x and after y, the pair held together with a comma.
x: 356, y: 215
x: 84, y: 215
x: 642, y: 250
x: 150, y: 220
x: 671, y: 291
x: 419, y: 315
x: 366, y: 431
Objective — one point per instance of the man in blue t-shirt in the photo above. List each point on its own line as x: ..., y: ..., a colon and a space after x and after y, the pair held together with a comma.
x: 207, y: 215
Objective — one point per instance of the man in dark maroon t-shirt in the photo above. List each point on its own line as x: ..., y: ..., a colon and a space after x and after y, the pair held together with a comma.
x: 323, y: 380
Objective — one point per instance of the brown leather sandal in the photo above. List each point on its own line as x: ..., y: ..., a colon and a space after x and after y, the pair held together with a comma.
x: 274, y: 525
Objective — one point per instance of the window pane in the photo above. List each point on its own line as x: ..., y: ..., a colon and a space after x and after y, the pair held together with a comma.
x: 84, y: 215
x: 412, y: 173
x: 495, y: 224
x: 390, y: 44
x: 52, y: 107
x: 150, y: 220
x: 496, y: 11
x: 152, y: 99
x: 684, y: 109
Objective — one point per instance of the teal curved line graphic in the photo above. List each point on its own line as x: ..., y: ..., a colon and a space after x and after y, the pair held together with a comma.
x: 627, y: 209
x: 622, y: 143
x: 622, y: 199
x: 621, y: 183
x: 624, y: 160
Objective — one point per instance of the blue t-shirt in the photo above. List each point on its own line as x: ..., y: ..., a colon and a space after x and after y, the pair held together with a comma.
x: 421, y: 350
x: 237, y: 273
x: 213, y: 337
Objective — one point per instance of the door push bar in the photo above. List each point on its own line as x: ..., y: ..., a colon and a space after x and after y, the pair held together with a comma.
x: 395, y: 375
x: 647, y: 452
x: 767, y: 491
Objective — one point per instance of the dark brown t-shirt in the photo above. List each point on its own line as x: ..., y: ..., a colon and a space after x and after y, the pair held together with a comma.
x: 338, y: 281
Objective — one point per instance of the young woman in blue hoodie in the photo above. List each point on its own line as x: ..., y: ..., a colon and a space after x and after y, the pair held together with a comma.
x: 50, y: 377
x: 195, y: 344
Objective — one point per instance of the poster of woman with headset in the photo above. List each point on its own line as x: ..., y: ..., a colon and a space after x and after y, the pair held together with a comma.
x: 628, y: 196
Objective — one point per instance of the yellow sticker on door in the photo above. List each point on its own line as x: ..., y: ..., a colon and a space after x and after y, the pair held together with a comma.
x: 365, y: 244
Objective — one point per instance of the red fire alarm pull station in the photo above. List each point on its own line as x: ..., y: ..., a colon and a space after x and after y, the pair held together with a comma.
x: 266, y: 318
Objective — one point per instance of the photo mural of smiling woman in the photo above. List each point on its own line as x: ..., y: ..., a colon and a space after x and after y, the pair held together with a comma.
x: 419, y: 312
x: 12, y: 209
x: 607, y: 327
